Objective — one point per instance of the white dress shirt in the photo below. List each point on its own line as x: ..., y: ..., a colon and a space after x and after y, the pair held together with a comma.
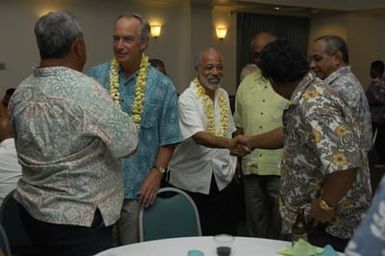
x: 10, y: 170
x: 192, y: 165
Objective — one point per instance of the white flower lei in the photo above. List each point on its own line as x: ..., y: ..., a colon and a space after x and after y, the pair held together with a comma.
x: 140, y: 88
x: 209, y: 110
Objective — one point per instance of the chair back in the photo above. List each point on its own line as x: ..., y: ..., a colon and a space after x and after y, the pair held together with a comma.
x: 174, y: 214
x: 4, y: 244
x: 19, y: 240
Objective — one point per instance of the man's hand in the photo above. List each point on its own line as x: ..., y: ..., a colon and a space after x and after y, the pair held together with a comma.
x: 150, y: 187
x: 245, y: 141
x: 319, y: 215
x: 239, y: 146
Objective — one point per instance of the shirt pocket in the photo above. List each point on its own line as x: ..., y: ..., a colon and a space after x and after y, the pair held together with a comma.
x: 150, y: 116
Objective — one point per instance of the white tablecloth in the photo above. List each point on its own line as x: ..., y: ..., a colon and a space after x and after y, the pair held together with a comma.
x: 242, y: 246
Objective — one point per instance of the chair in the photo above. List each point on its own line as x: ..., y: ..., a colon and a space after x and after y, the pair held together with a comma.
x: 19, y: 240
x: 4, y: 244
x: 174, y: 214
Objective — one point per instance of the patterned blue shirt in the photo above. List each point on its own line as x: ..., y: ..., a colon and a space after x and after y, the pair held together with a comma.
x: 369, y: 238
x: 159, y: 125
x: 68, y: 137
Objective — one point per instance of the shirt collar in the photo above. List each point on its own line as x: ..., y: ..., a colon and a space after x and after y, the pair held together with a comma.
x: 339, y: 72
x: 10, y: 142
x: 49, y: 71
x: 302, y: 86
x: 133, y: 77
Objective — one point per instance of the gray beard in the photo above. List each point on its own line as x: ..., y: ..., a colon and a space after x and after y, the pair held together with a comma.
x: 212, y: 86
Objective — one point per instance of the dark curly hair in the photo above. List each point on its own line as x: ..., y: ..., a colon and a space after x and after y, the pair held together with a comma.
x: 282, y: 62
x: 378, y: 66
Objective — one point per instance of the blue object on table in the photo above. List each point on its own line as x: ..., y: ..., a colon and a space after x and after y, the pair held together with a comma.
x: 328, y: 251
x: 195, y: 253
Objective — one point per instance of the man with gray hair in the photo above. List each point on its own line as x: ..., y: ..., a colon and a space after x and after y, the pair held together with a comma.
x: 68, y: 137
x: 329, y: 59
x: 151, y: 99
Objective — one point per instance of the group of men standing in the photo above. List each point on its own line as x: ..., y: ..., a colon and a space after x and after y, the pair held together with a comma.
x: 70, y: 134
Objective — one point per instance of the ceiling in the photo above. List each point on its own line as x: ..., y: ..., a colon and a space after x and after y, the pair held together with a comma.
x: 300, y: 7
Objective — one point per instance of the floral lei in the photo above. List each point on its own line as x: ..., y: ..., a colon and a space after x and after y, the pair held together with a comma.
x: 140, y: 87
x: 209, y: 110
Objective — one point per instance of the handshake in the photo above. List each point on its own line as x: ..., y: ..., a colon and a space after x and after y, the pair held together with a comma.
x: 240, y: 145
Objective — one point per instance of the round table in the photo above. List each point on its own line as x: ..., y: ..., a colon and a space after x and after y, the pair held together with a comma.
x: 242, y: 246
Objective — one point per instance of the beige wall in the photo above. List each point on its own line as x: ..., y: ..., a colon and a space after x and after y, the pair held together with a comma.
x: 19, y: 51
x: 188, y: 28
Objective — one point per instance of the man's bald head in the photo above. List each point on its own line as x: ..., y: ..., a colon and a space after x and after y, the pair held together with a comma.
x: 258, y: 42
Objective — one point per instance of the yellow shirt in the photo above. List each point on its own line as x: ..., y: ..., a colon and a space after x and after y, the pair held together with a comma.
x: 258, y: 109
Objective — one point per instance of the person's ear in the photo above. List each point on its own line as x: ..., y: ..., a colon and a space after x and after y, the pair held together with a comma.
x: 78, y: 47
x: 196, y: 68
x: 79, y: 54
x: 144, y: 45
x: 338, y: 58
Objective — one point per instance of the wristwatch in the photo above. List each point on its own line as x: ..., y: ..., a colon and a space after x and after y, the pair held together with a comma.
x: 161, y: 169
x: 324, y: 206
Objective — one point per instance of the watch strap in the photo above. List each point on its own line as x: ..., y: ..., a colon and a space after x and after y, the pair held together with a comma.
x: 161, y: 169
x: 325, y: 206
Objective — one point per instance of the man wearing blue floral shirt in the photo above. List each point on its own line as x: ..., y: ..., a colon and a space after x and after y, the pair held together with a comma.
x: 151, y: 99
x: 369, y: 237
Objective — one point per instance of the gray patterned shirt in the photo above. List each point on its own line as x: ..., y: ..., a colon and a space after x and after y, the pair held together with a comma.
x: 322, y: 137
x: 68, y: 137
x: 352, y: 92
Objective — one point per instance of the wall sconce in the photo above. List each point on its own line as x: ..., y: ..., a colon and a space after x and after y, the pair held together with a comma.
x: 221, y: 32
x: 156, y: 29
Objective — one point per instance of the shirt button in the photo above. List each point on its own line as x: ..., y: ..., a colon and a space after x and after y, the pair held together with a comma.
x: 263, y: 100
x: 260, y: 127
x: 260, y: 155
x: 265, y: 87
x: 261, y: 113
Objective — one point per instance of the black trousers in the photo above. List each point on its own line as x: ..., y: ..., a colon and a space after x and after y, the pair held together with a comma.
x: 68, y: 240
x: 216, y: 210
x: 379, y: 144
x: 319, y: 237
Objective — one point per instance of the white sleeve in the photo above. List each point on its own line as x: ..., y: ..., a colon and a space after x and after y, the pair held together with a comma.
x: 191, y: 119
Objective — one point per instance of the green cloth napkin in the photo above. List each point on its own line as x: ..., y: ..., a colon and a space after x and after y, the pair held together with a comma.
x: 303, y: 248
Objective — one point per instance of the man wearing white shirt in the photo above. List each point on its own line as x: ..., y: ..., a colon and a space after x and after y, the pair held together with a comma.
x: 202, y: 165
x: 10, y: 170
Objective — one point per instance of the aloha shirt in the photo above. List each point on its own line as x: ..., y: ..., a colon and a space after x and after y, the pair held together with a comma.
x: 321, y: 137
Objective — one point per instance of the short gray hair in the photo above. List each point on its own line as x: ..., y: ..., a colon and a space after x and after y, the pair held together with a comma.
x: 199, y: 57
x: 55, y: 32
x: 333, y: 44
x: 145, y: 26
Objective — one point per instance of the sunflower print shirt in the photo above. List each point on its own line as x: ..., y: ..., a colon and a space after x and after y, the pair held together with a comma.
x: 322, y: 137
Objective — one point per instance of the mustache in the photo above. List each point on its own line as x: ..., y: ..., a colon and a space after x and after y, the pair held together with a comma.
x: 214, y: 78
